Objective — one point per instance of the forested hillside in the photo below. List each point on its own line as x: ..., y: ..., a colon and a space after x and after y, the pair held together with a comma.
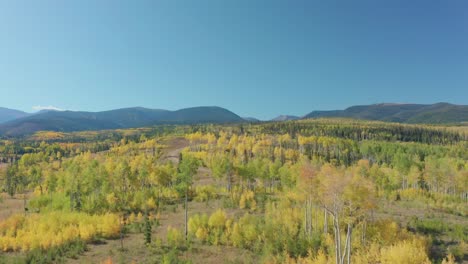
x: 70, y: 121
x: 404, y: 113
x: 309, y: 191
x: 10, y: 114
x: 16, y: 123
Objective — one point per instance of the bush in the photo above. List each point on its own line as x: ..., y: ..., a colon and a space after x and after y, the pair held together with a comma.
x: 205, y: 193
x: 215, y: 229
x: 198, y: 226
x: 217, y: 219
x: 48, y: 230
x: 405, y: 252
x: 172, y: 258
x: 459, y: 251
x: 245, y: 232
x: 436, y: 226
x: 56, y: 254
x: 247, y: 201
x: 175, y: 239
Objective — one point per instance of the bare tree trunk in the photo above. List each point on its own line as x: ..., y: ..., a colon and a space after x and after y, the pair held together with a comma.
x: 24, y: 202
x: 186, y: 214
x: 337, y: 252
x: 364, y: 227
x: 309, y: 216
x: 121, y: 232
x: 316, y: 213
x: 325, y: 223
x: 347, y: 248
x: 338, y: 231
x: 350, y: 232
x: 336, y: 227
x: 343, y: 255
x: 305, y: 217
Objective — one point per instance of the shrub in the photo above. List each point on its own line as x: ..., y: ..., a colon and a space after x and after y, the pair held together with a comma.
x: 205, y: 193
x: 44, y: 231
x: 247, y: 200
x: 405, y: 252
x: 175, y: 239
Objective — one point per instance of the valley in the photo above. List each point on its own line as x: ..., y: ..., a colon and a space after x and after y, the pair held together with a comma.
x: 255, y: 194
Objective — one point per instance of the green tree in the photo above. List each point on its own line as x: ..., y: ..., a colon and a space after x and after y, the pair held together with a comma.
x: 188, y: 166
x: 221, y: 166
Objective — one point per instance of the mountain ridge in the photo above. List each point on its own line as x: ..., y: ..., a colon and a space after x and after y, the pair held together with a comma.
x: 437, y: 113
x: 7, y: 114
x: 20, y: 123
x: 67, y: 121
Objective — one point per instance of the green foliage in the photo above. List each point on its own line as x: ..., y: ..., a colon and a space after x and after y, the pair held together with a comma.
x: 188, y: 166
x: 205, y: 193
x: 437, y: 227
x: 291, y: 191
x: 56, y: 254
x: 147, y: 230
x: 175, y: 239
x: 172, y: 258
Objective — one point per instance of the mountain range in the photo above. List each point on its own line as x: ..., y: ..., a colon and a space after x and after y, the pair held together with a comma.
x: 68, y: 121
x: 403, y: 113
x: 7, y: 114
x: 17, y: 123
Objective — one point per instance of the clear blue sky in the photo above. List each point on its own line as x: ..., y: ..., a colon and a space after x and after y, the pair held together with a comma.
x: 256, y: 58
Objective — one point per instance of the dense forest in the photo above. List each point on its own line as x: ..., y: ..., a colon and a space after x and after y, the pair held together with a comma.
x: 310, y: 191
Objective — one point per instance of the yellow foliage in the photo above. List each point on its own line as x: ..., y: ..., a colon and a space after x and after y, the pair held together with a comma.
x: 370, y: 254
x: 174, y: 237
x: 111, y: 199
x: 405, y: 252
x: 132, y: 218
x: 244, y: 232
x: 202, y: 234
x: 151, y: 203
x: 236, y: 236
x: 320, y: 258
x: 450, y: 259
x: 217, y: 219
x: 205, y: 193
x: 247, y: 200
x: 53, y: 229
x: 139, y: 217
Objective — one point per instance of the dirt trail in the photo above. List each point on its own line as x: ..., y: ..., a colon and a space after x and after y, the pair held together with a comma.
x: 173, y: 149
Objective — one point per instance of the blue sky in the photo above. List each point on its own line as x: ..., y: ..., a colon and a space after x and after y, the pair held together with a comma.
x: 256, y: 58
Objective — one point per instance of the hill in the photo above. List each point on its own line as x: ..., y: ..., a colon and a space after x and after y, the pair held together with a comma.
x: 252, y: 119
x: 10, y: 114
x: 404, y: 113
x: 67, y: 121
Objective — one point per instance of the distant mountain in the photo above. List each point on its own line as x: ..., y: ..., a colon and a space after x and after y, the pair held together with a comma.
x: 10, y: 114
x: 203, y: 114
x: 285, y: 118
x: 404, y: 113
x: 67, y: 121
x: 17, y: 123
x: 251, y: 119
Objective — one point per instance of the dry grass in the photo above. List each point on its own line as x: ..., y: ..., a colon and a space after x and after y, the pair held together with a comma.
x: 10, y: 205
